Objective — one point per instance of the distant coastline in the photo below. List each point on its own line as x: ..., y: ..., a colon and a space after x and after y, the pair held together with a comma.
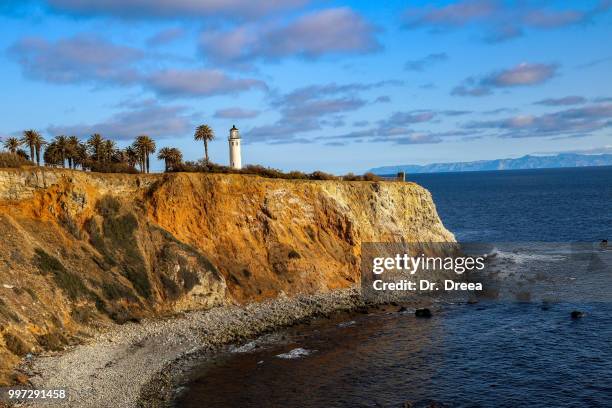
x: 563, y: 160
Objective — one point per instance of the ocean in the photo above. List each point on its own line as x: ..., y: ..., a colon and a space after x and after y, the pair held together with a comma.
x: 520, y: 348
x: 553, y: 205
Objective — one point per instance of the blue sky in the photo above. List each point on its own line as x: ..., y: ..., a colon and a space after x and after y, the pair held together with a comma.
x: 338, y: 86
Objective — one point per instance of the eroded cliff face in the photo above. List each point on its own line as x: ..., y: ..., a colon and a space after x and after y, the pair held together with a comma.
x: 83, y: 250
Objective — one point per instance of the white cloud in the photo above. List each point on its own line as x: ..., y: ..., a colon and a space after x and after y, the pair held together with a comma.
x: 194, y: 83
x: 147, y: 117
x: 319, y: 33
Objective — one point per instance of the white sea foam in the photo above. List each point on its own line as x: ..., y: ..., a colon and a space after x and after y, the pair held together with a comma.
x: 523, y: 256
x: 295, y: 353
x: 347, y: 324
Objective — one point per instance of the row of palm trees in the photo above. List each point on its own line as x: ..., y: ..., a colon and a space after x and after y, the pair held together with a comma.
x: 31, y: 139
x: 97, y: 152
x: 71, y: 152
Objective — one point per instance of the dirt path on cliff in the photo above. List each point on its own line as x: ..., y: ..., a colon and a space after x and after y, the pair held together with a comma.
x: 112, y: 369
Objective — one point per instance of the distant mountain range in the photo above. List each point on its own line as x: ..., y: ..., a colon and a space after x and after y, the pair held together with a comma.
x: 525, y: 162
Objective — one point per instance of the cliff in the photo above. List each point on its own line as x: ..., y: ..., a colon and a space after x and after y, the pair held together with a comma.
x: 81, y: 251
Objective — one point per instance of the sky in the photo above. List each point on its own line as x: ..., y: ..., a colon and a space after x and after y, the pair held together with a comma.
x: 337, y: 86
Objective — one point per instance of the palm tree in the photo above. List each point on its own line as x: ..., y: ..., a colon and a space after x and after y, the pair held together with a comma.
x: 164, y: 154
x: 95, y: 144
x: 12, y: 144
x: 80, y: 156
x: 176, y: 157
x: 119, y: 156
x: 61, y: 144
x: 171, y: 157
x: 30, y: 139
x: 131, y: 155
x: 72, y: 150
x: 39, y: 143
x: 204, y: 133
x: 108, y: 148
x: 22, y: 153
x: 53, y: 155
x: 145, y: 146
x: 140, y: 154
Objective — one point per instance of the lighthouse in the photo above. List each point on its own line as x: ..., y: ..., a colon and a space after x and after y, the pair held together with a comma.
x: 234, y: 148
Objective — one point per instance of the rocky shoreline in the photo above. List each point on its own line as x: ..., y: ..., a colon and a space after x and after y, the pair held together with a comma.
x: 139, y: 364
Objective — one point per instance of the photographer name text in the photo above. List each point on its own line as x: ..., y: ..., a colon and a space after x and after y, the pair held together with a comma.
x: 410, y: 265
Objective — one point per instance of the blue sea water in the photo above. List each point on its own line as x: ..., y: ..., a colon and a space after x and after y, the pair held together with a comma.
x: 554, y: 205
x: 501, y: 352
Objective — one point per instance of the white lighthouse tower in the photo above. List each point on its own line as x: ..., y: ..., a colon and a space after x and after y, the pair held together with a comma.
x: 234, y: 149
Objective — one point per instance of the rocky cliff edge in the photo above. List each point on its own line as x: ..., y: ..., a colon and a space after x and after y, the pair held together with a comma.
x: 83, y: 251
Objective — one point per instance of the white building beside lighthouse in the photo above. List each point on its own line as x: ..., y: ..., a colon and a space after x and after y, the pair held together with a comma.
x: 234, y: 149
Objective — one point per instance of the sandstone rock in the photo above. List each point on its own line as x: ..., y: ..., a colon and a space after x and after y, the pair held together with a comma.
x: 92, y: 250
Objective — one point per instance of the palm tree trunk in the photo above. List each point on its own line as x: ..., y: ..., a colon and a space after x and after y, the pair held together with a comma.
x: 32, y: 153
x: 148, y: 163
x: 206, y: 150
x: 38, y: 155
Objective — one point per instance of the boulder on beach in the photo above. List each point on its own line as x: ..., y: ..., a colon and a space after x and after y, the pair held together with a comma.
x: 362, y: 310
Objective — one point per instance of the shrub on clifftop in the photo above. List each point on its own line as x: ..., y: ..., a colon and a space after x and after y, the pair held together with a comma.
x: 252, y: 169
x: 13, y: 160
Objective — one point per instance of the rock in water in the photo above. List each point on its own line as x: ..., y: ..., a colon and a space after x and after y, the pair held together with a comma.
x: 577, y: 314
x: 422, y: 312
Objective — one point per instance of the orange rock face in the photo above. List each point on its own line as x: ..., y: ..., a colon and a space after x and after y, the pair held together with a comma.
x: 83, y: 250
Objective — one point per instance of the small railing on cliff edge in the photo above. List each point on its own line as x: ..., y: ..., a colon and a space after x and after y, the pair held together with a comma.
x: 400, y: 176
